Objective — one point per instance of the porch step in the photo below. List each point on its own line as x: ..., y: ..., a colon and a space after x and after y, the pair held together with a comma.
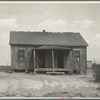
x: 55, y: 73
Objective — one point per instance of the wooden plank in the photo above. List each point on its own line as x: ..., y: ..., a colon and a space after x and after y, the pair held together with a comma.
x: 83, y: 59
x: 30, y: 56
x: 13, y: 58
x: 50, y: 69
x: 67, y: 60
x: 55, y: 73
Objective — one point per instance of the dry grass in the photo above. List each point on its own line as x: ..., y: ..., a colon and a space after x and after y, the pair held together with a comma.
x: 26, y: 85
x: 96, y: 69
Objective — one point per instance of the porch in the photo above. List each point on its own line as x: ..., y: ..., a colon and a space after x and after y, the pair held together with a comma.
x: 52, y: 59
x: 51, y: 69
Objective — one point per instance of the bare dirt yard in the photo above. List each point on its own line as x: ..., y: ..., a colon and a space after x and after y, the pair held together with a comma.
x: 42, y: 85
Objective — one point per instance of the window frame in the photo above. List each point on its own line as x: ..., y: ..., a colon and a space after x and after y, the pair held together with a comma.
x: 77, y: 55
x: 21, y: 55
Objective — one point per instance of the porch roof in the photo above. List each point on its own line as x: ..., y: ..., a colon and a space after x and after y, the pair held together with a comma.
x: 53, y: 47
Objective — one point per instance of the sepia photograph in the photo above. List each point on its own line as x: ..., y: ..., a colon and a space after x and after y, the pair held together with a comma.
x: 50, y: 49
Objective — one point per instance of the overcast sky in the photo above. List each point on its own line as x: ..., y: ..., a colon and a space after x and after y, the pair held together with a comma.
x: 57, y: 17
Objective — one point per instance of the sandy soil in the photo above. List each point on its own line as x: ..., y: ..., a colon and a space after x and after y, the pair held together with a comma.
x: 41, y: 85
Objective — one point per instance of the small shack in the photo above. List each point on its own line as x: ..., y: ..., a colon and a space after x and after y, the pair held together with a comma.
x: 89, y: 64
x: 48, y: 51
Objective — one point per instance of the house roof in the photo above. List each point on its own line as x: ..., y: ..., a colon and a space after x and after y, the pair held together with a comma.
x: 46, y: 38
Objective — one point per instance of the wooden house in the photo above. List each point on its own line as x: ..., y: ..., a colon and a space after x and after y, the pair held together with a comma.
x: 48, y: 51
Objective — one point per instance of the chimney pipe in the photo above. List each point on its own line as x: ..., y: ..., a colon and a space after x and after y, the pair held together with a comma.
x: 43, y: 30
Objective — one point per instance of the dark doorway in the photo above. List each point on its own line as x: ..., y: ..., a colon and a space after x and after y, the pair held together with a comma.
x: 60, y: 59
x: 41, y: 59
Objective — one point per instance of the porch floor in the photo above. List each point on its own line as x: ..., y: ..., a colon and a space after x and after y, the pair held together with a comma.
x: 51, y: 69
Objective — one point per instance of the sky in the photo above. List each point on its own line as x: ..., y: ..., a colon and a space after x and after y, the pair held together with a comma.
x: 53, y: 17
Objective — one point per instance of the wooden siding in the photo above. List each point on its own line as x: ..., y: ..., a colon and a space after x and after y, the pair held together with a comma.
x: 68, y: 64
x: 83, y: 58
x: 14, y: 59
x: 28, y: 63
x: 28, y: 59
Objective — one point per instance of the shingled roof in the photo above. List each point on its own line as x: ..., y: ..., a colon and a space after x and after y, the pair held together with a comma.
x: 46, y: 38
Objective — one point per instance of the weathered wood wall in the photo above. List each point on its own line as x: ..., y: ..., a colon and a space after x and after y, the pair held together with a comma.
x: 28, y: 59
x: 15, y: 64
x: 83, y: 58
x: 28, y: 63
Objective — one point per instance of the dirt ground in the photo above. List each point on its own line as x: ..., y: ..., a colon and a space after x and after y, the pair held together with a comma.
x: 41, y: 85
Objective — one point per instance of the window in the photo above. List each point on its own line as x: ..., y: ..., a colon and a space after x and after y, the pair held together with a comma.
x: 76, y: 53
x: 21, y: 55
x: 77, y: 56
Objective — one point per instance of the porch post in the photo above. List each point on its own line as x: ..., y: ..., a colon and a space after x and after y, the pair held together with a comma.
x: 71, y: 61
x: 27, y: 61
x: 53, y: 59
x: 34, y: 61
